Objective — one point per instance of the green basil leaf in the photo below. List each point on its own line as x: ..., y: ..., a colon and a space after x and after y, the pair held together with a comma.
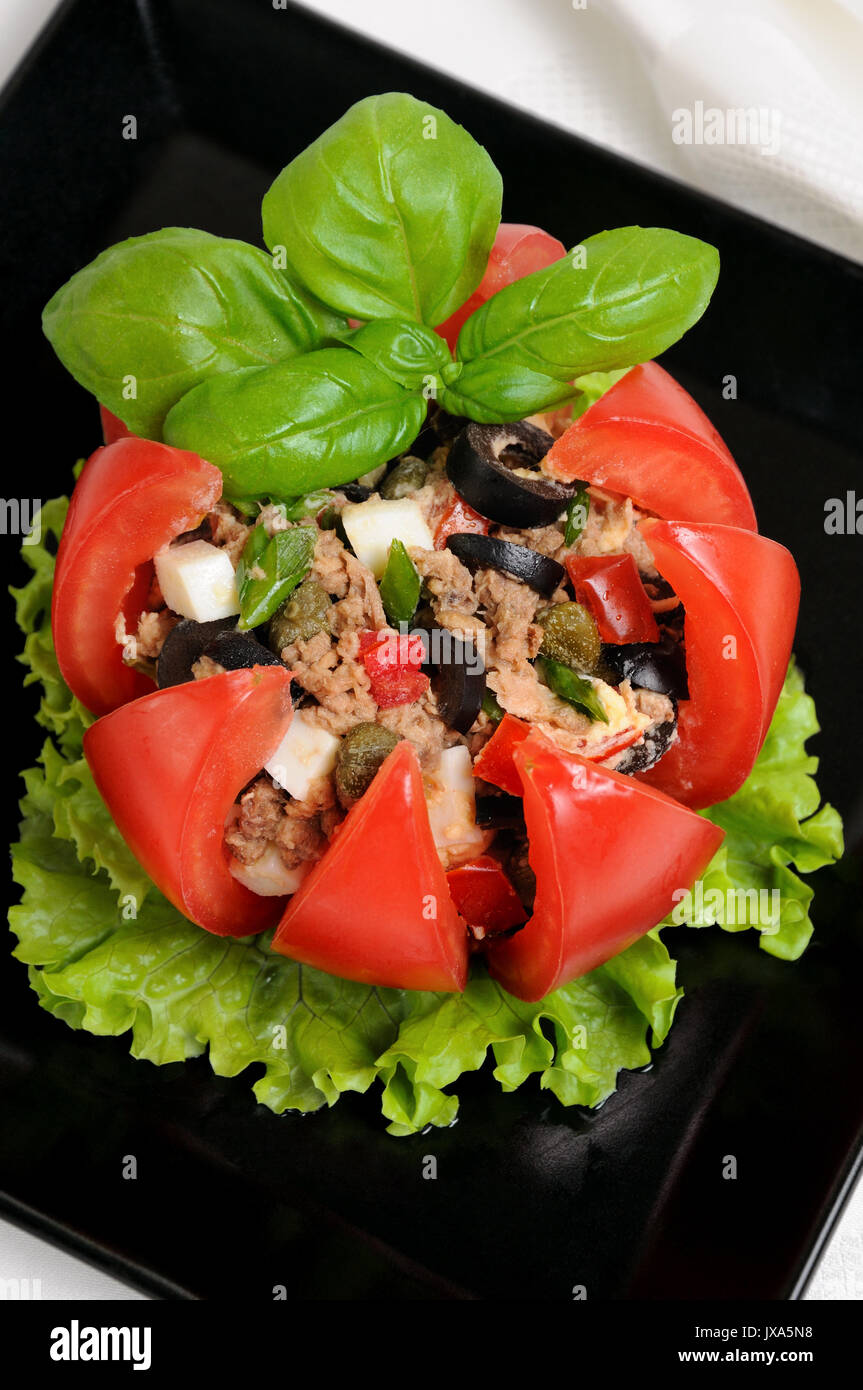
x: 494, y: 392
x: 407, y: 352
x: 152, y: 316
x: 399, y: 585
x: 270, y: 567
x: 310, y: 504
x: 576, y: 516
x: 576, y: 690
x: 314, y: 421
x: 620, y: 298
x: 392, y: 211
x: 491, y: 707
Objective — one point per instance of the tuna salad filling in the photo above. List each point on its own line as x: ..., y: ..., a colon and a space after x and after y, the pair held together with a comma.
x: 418, y: 616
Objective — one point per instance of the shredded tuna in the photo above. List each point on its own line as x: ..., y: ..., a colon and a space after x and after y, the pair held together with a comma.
x: 267, y: 816
x: 205, y: 666
x: 448, y: 581
x: 421, y: 724
x: 547, y: 540
x: 350, y: 583
x: 437, y: 492
x: 229, y: 530
x: 153, y: 628
x: 510, y: 608
x: 339, y: 682
x: 612, y: 528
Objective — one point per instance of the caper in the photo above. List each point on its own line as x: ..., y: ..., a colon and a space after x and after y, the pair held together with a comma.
x: 305, y: 612
x: 361, y: 752
x: 569, y: 635
x: 408, y: 475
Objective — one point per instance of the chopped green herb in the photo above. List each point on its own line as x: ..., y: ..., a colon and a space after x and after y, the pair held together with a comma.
x: 269, y: 568
x: 399, y: 585
x: 576, y: 515
x: 576, y: 690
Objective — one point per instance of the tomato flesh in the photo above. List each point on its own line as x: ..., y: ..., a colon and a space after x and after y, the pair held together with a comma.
x: 132, y: 498
x: 459, y: 519
x: 646, y: 438
x: 376, y: 908
x: 392, y: 662
x: 610, y: 588
x: 608, y: 854
x: 484, y: 895
x: 741, y: 594
x: 169, y: 768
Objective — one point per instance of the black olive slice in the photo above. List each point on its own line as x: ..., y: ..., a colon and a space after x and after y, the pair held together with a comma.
x: 481, y: 467
x: 487, y: 552
x: 642, y: 755
x: 459, y: 680
x: 184, y: 644
x: 500, y: 812
x: 658, y: 666
x: 355, y: 492
x: 237, y: 651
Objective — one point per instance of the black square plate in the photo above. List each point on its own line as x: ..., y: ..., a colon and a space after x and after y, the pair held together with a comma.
x: 765, y: 1058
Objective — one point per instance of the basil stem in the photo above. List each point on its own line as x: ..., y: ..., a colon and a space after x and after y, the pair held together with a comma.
x: 270, y: 567
x: 399, y: 585
x: 576, y: 515
x: 576, y: 690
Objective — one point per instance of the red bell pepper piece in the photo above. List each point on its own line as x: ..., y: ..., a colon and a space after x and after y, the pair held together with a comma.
x: 647, y: 439
x: 484, y: 895
x: 169, y: 768
x: 459, y: 519
x: 518, y: 250
x: 494, y: 761
x: 131, y: 499
x: 113, y: 427
x: 741, y: 594
x: 376, y: 907
x: 610, y: 589
x: 393, y: 664
x: 608, y: 854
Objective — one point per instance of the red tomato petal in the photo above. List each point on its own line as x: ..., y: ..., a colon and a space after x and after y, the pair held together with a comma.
x: 132, y: 498
x: 169, y: 768
x: 647, y: 439
x: 609, y: 855
x: 741, y: 594
x: 376, y: 907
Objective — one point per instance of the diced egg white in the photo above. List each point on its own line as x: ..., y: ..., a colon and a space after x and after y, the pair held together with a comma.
x: 450, y: 792
x: 197, y: 580
x: 372, y: 527
x: 306, y: 753
x: 268, y: 876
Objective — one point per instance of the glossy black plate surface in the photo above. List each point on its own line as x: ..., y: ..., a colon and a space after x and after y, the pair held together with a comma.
x: 764, y: 1059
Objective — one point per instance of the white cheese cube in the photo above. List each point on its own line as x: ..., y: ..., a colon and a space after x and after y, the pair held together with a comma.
x: 450, y: 791
x: 268, y: 876
x: 372, y: 527
x: 197, y: 581
x: 306, y: 753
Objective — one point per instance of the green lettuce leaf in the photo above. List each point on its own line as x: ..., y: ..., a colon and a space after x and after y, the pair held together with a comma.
x: 107, y: 953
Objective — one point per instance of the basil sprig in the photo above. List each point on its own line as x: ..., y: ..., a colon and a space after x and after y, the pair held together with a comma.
x: 391, y: 212
x: 153, y: 316
x: 576, y: 690
x: 387, y: 218
x: 399, y: 585
x: 270, y: 567
x: 620, y: 298
x: 312, y: 422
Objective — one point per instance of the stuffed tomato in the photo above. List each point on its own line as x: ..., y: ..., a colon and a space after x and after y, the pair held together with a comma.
x: 490, y: 664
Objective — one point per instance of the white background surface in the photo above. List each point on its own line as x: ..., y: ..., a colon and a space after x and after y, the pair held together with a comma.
x: 615, y: 70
